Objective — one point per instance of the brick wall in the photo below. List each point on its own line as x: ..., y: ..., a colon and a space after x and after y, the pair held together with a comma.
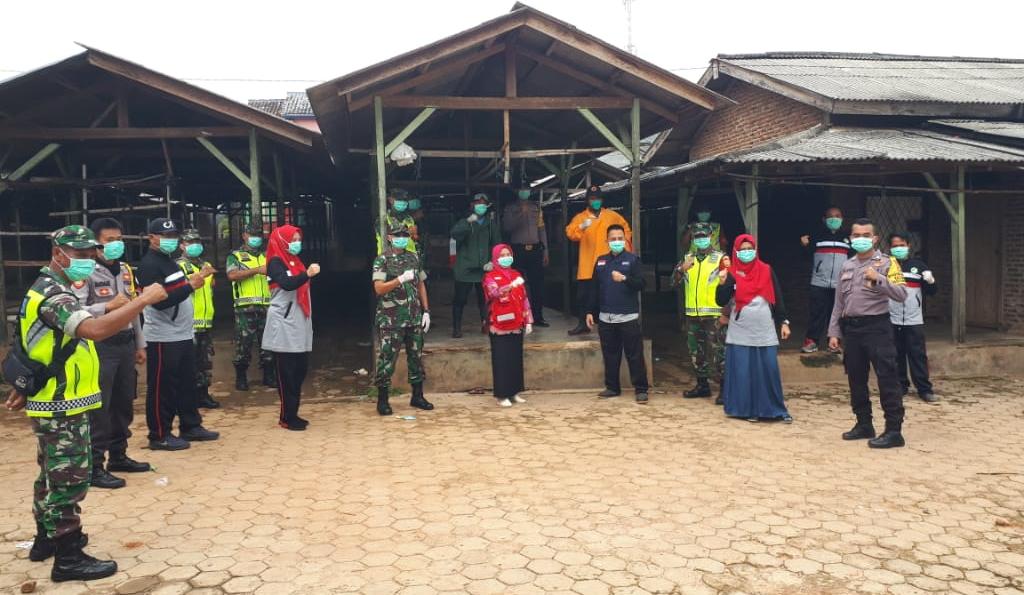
x: 759, y: 116
x: 1013, y: 265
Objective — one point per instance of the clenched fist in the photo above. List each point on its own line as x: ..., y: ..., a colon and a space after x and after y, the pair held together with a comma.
x: 117, y: 302
x: 153, y: 294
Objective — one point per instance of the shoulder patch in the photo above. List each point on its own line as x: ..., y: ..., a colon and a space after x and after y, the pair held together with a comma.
x: 78, y: 284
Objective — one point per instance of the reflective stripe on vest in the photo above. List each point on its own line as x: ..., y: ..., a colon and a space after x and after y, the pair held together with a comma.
x: 76, y: 388
x: 701, y: 282
x: 202, y: 298
x: 251, y: 291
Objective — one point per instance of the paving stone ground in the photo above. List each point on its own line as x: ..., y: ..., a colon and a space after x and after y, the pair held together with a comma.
x: 566, y: 494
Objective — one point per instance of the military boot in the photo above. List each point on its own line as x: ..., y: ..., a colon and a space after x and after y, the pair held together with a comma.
x: 892, y: 437
x: 241, y: 378
x: 269, y: 377
x: 120, y: 461
x: 861, y: 431
x: 43, y: 547
x: 205, y: 401
x: 417, y: 399
x: 456, y: 322
x: 383, y: 407
x: 101, y: 478
x: 702, y: 390
x: 72, y: 564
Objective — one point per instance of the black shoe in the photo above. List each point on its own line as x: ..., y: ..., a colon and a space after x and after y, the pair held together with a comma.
x: 102, y: 479
x: 701, y: 391
x: 581, y: 329
x: 241, y: 378
x: 301, y: 422
x: 294, y: 426
x: 208, y: 403
x: 456, y: 332
x: 888, y: 439
x: 124, y: 464
x: 200, y: 434
x: 43, y: 548
x: 170, y: 442
x: 608, y: 393
x: 541, y: 324
x: 641, y: 398
x: 72, y: 564
x: 383, y: 407
x: 861, y: 431
x: 928, y: 397
x: 269, y: 377
x: 417, y: 400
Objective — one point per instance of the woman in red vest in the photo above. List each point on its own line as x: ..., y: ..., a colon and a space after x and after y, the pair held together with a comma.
x: 509, y: 319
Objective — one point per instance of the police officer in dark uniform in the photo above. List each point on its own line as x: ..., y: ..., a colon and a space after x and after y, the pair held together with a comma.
x: 860, y: 320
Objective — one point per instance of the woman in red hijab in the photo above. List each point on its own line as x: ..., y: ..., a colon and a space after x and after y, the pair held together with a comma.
x: 753, y: 385
x: 288, y: 333
x: 509, y: 319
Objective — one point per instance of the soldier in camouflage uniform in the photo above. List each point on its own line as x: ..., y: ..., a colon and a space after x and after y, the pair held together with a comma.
x: 402, y: 318
x: 191, y: 262
x: 55, y: 330
x: 247, y: 270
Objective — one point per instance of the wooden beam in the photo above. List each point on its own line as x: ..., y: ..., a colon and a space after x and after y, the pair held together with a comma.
x: 752, y: 202
x: 256, y: 206
x: 634, y: 177
x: 168, y: 164
x: 26, y: 167
x: 775, y: 85
x: 506, y: 103
x: 409, y: 129
x: 606, y: 133
x: 511, y: 90
x: 120, y: 133
x: 226, y: 162
x: 103, y: 115
x: 943, y: 197
x: 381, y: 170
x: 123, y: 120
x: 55, y: 103
x: 655, y: 146
x: 959, y: 249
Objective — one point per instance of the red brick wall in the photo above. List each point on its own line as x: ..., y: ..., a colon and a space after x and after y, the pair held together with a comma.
x: 1013, y: 265
x: 759, y: 116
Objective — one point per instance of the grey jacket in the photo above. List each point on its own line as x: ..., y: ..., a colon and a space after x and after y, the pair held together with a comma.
x: 288, y: 329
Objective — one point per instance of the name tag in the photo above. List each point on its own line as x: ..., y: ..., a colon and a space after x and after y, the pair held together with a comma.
x: 600, y: 263
x: 504, y: 317
x: 846, y: 276
x: 104, y: 291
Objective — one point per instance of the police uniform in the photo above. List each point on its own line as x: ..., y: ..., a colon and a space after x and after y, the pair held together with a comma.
x: 705, y: 337
x: 399, y: 321
x: 203, y: 311
x: 860, y: 318
x: 522, y: 224
x: 251, y: 298
x: 111, y: 423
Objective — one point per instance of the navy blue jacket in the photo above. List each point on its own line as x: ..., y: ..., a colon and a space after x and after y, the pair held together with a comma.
x: 614, y: 297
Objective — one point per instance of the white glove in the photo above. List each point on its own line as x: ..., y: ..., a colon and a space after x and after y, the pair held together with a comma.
x: 519, y: 281
x: 928, y: 277
x: 426, y: 321
x: 488, y: 267
x: 529, y: 329
x: 586, y: 223
x: 406, y: 276
x: 473, y: 218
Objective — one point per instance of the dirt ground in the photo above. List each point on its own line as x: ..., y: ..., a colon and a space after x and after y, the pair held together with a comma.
x: 566, y: 493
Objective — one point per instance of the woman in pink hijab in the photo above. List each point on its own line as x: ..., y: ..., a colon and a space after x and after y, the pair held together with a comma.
x: 509, y: 320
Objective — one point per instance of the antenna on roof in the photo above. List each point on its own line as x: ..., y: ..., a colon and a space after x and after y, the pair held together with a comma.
x: 629, y: 26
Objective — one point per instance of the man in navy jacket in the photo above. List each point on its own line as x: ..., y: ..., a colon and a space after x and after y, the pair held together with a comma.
x: 615, y: 306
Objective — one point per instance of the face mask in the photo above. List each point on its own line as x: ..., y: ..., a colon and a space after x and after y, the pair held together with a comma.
x: 113, y: 250
x: 617, y: 246
x: 414, y: 204
x: 401, y: 206
x: 194, y: 250
x: 400, y: 242
x: 746, y: 256
x: 862, y: 245
x: 834, y: 223
x: 255, y: 242
x: 704, y: 216
x: 79, y: 268
x: 168, y: 245
x: 900, y: 252
x: 505, y: 261
x: 480, y: 210
x: 596, y: 204
x: 295, y: 247
x: 524, y: 194
x: 702, y: 243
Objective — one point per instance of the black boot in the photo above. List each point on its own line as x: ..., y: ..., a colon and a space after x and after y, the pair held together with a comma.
x: 241, y: 378
x: 456, y: 322
x: 72, y: 564
x: 417, y: 399
x: 890, y: 438
x: 862, y: 431
x: 702, y: 390
x: 43, y: 548
x: 269, y: 377
x: 101, y: 478
x: 205, y: 401
x: 121, y: 462
x: 581, y: 328
x: 383, y: 407
x: 720, y: 399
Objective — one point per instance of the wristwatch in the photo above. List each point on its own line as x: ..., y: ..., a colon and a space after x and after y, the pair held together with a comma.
x: 785, y: 322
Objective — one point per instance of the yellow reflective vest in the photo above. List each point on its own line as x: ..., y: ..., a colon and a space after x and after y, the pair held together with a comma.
x: 699, y: 285
x: 254, y: 290
x: 202, y: 298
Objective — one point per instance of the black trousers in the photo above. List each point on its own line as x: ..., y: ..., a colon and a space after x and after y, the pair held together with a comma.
x: 111, y: 423
x: 171, y: 387
x: 910, y: 349
x: 507, y: 365
x: 531, y: 264
x: 868, y: 342
x: 291, y: 373
x: 822, y: 301
x: 461, y: 297
x: 617, y: 338
x: 583, y: 292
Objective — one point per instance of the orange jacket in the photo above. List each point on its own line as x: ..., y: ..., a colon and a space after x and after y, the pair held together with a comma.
x: 594, y: 239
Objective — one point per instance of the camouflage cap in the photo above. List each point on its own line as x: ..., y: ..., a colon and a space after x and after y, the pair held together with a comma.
x: 254, y: 229
x: 191, y: 235
x: 398, y: 194
x: 702, y: 229
x: 398, y: 228
x: 75, y: 236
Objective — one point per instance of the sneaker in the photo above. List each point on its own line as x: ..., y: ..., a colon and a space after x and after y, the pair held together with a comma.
x: 835, y: 351
x: 518, y: 399
x: 200, y: 434
x: 641, y: 398
x: 608, y: 393
x: 809, y: 346
x: 504, y: 403
x: 170, y: 442
x: 929, y: 397
x: 787, y: 419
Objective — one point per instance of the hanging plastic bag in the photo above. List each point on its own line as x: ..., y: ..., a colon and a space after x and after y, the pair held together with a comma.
x: 403, y: 155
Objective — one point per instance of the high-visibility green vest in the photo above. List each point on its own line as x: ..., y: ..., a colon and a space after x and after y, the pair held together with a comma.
x: 202, y: 298
x: 76, y: 388
x: 405, y: 220
x: 251, y: 291
x: 700, y: 284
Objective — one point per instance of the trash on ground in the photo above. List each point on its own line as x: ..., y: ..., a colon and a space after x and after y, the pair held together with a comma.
x: 407, y: 417
x: 162, y: 482
x: 23, y: 545
x: 361, y: 372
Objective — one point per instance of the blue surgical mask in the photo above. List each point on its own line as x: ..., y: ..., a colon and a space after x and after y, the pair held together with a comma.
x: 79, y: 268
x: 504, y: 261
x: 702, y: 243
x: 834, y: 223
x: 295, y: 247
x: 862, y: 245
x: 617, y: 246
x: 900, y: 252
x: 401, y: 242
x: 746, y: 256
x: 596, y: 204
x: 401, y: 205
x: 194, y: 250
x: 704, y: 216
x: 113, y: 250
x: 414, y: 204
x: 480, y: 210
x: 168, y: 245
x: 524, y: 194
x: 255, y: 242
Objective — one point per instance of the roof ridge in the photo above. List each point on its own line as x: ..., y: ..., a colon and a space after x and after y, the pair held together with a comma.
x: 825, y: 55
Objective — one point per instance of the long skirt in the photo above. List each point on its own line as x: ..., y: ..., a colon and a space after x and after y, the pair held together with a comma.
x: 753, y: 385
x: 507, y: 364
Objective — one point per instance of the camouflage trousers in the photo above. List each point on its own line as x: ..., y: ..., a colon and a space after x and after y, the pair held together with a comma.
x: 204, y: 358
x: 249, y: 335
x: 705, y: 341
x: 391, y: 342
x: 65, y: 469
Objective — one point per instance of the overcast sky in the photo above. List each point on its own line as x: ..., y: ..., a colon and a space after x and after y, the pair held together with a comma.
x: 291, y: 45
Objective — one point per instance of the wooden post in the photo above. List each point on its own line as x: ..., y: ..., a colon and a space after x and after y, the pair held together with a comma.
x: 279, y: 189
x: 634, y: 176
x: 3, y: 291
x: 256, y: 208
x: 85, y: 197
x: 511, y: 90
x: 751, y: 203
x: 684, y: 200
x: 959, y: 245
x: 17, y: 243
x: 382, y: 191
x: 563, y: 182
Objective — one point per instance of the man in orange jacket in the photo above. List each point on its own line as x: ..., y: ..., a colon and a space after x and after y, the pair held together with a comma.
x: 590, y: 229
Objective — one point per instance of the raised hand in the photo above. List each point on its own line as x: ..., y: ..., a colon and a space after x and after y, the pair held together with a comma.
x: 313, y: 270
x: 153, y: 293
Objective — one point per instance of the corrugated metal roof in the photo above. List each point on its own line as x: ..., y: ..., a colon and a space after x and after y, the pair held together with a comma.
x: 880, y: 77
x: 993, y: 128
x: 296, y: 104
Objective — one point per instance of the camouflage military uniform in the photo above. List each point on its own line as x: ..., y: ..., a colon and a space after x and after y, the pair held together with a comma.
x: 399, y: 318
x: 204, y: 334
x: 705, y: 340
x: 249, y: 323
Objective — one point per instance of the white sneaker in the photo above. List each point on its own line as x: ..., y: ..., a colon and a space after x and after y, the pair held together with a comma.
x: 504, y: 403
x: 518, y: 399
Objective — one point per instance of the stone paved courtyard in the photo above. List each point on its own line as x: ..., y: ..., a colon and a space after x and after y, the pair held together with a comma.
x: 563, y: 494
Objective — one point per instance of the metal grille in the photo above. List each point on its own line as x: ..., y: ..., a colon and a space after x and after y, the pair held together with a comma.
x: 906, y: 213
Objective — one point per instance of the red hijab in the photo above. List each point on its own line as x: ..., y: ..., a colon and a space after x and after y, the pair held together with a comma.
x: 753, y: 278
x: 504, y: 276
x: 277, y: 247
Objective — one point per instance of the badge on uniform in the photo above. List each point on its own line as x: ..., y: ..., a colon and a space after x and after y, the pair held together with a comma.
x: 913, y: 269
x: 104, y: 291
x: 78, y: 284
